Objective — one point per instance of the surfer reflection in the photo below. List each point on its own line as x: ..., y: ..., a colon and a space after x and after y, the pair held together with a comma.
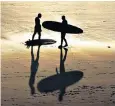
x: 63, y: 32
x: 34, y: 68
x: 37, y: 28
x: 62, y: 70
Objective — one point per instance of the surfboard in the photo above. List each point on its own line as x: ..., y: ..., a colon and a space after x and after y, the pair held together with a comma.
x: 59, y: 81
x: 58, y: 27
x: 37, y: 42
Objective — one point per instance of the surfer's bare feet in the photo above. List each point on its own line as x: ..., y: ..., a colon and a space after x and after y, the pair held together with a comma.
x: 60, y: 46
x: 65, y: 45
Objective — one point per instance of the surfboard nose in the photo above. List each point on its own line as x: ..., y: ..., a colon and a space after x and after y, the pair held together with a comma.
x: 79, y: 74
x: 81, y: 31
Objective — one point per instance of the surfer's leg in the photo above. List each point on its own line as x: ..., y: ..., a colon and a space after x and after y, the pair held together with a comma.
x: 39, y: 33
x: 61, y: 41
x: 33, y: 35
x: 62, y: 38
x: 66, y: 44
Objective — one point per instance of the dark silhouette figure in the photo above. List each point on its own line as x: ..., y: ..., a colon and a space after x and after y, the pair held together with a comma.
x: 37, y: 28
x: 34, y: 69
x: 62, y: 70
x: 63, y: 32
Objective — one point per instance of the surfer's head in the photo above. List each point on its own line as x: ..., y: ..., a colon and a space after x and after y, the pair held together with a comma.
x: 63, y: 17
x: 39, y: 15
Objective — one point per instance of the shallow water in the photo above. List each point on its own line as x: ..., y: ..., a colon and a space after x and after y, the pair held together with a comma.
x: 87, y: 52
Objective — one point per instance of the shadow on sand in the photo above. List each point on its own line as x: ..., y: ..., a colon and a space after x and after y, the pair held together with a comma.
x: 61, y: 80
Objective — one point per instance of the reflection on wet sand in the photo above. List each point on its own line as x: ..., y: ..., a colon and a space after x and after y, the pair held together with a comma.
x: 34, y: 69
x: 62, y: 70
x: 88, y: 53
x: 35, y: 61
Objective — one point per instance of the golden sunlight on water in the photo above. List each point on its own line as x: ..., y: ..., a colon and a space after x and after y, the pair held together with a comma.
x: 18, y: 41
x: 95, y: 18
x: 92, y: 53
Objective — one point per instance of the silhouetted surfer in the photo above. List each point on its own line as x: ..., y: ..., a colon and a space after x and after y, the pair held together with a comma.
x: 63, y: 32
x: 37, y: 28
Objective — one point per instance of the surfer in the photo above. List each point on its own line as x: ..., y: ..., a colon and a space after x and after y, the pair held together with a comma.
x: 37, y: 28
x: 63, y: 33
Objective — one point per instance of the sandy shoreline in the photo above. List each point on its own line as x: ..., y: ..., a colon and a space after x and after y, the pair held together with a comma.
x: 87, y: 53
x: 88, y: 91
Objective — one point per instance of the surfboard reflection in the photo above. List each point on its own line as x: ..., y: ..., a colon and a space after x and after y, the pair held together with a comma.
x: 61, y: 80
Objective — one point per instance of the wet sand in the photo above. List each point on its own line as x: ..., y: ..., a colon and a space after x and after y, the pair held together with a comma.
x: 87, y: 53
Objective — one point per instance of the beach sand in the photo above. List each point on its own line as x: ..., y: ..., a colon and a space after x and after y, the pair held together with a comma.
x: 87, y: 53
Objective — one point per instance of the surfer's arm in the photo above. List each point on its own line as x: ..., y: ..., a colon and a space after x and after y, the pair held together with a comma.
x: 40, y: 25
x: 36, y: 20
x: 66, y: 22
